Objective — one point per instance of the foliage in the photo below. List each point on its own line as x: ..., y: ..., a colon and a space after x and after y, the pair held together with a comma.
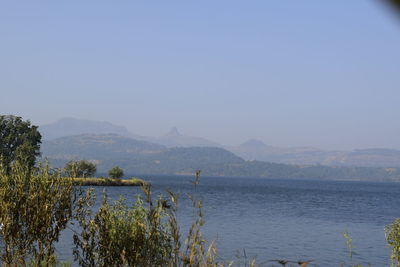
x: 36, y: 205
x: 108, y: 182
x: 392, y: 232
x: 82, y: 168
x: 19, y: 140
x: 146, y: 234
x: 116, y: 173
x: 120, y: 236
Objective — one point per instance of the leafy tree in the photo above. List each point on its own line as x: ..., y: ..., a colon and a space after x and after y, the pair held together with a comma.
x: 116, y: 172
x: 19, y: 141
x: 82, y: 168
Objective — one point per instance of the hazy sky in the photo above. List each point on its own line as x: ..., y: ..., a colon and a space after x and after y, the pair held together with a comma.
x: 291, y: 73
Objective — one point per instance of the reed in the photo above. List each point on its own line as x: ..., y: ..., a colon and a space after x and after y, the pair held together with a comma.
x: 36, y: 205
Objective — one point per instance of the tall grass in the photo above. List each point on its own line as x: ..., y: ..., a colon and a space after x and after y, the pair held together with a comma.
x: 35, y: 206
x: 144, y: 234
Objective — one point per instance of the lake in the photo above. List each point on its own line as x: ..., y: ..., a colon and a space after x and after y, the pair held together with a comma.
x: 282, y: 219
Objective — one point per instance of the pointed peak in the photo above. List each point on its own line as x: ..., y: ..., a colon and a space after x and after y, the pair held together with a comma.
x: 254, y: 143
x: 173, y: 132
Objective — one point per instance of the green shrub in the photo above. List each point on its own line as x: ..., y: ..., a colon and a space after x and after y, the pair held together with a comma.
x: 392, y: 232
x: 82, y: 168
x: 145, y: 234
x: 116, y: 173
x: 36, y: 205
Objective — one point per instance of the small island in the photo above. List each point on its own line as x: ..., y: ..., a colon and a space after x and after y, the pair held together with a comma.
x: 93, y: 181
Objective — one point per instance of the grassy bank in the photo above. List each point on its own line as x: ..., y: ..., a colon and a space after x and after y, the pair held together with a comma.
x: 108, y: 182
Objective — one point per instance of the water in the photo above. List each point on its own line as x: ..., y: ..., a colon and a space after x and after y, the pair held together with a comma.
x: 283, y: 219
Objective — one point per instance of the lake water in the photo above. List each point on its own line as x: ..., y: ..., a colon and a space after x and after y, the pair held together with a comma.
x: 283, y: 219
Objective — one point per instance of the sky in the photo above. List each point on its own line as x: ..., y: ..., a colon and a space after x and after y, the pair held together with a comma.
x: 290, y: 73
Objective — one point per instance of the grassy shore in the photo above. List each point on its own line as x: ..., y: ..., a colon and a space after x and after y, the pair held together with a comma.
x: 91, y: 181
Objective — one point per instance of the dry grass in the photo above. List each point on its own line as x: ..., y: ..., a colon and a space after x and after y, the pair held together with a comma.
x: 108, y: 182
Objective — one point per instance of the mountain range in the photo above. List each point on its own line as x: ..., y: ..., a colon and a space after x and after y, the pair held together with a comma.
x: 70, y: 126
x: 250, y: 150
x: 141, y: 157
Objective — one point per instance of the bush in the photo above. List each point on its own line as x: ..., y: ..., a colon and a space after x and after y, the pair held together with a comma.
x: 116, y: 173
x: 82, y: 168
x: 392, y: 232
x: 146, y: 234
x: 36, y: 205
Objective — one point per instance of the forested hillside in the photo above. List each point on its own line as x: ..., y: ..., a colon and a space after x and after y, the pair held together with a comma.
x: 141, y: 157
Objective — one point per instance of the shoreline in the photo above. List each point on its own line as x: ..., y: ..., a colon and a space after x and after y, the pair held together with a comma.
x: 92, y: 181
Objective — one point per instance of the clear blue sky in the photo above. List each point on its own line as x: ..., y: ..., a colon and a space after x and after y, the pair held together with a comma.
x: 291, y: 73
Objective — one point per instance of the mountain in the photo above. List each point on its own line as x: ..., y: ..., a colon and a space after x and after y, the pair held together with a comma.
x: 140, y: 157
x: 174, y: 139
x: 183, y: 160
x: 254, y: 144
x: 97, y: 147
x: 108, y: 150
x: 257, y: 150
x: 377, y: 157
x: 72, y: 126
x: 252, y: 149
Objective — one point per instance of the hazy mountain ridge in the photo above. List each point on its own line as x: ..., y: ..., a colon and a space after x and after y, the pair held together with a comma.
x: 71, y: 126
x: 141, y: 157
x: 175, y: 139
x: 108, y: 150
x: 374, y: 157
x: 94, y: 147
x: 252, y: 149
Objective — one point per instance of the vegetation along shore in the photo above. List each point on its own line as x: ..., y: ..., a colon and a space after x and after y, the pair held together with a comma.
x: 93, y: 181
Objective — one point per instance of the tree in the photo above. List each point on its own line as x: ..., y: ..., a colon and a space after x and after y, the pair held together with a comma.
x: 82, y: 168
x: 116, y: 172
x: 19, y: 141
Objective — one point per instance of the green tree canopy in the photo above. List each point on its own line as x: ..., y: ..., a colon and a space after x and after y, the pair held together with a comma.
x: 19, y: 140
x: 116, y: 172
x: 82, y: 168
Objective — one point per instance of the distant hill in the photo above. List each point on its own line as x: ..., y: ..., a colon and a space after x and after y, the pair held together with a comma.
x: 378, y: 157
x: 97, y: 147
x: 250, y: 150
x: 72, y: 126
x: 141, y: 157
x: 257, y: 150
x: 174, y: 139
x: 108, y: 150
